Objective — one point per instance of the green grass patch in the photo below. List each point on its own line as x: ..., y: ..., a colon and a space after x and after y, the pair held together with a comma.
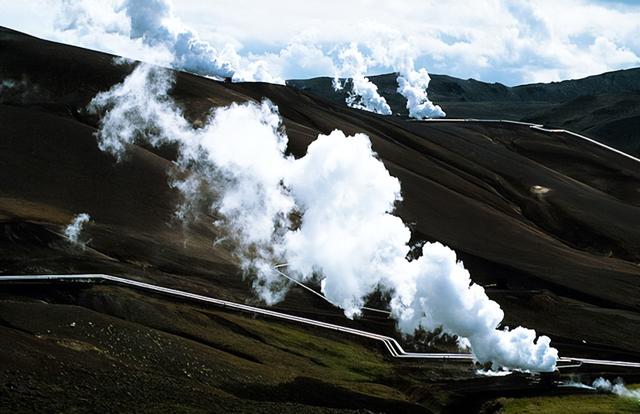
x: 341, y: 360
x: 570, y: 404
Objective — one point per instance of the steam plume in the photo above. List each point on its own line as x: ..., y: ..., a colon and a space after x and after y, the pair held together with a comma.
x: 413, y: 84
x: 364, y: 94
x: 154, y: 23
x: 20, y: 91
x: 345, y: 234
x: 617, y: 387
x: 7, y: 84
x: 149, y: 30
x: 72, y: 231
x: 398, y: 52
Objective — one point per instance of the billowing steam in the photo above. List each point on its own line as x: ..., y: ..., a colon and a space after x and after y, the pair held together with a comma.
x: 412, y: 83
x: 327, y: 214
x: 154, y: 23
x: 151, y: 32
x: 239, y: 153
x: 601, y: 384
x: 617, y: 388
x: 364, y: 93
x: 73, y: 230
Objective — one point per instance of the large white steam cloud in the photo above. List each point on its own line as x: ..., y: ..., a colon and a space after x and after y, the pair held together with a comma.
x: 328, y: 214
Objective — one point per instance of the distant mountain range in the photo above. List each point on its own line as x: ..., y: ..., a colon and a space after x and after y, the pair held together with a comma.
x: 605, y: 107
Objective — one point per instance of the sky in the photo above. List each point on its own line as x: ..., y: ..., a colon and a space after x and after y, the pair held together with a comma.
x: 511, y: 42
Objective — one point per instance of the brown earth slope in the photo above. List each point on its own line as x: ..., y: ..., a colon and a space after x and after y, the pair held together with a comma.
x: 549, y: 223
x: 605, y: 107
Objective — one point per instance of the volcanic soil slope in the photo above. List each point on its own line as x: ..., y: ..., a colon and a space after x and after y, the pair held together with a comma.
x: 547, y: 222
x: 605, y: 107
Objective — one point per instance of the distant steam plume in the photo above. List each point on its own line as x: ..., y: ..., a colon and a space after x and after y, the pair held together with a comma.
x: 72, y: 231
x: 364, y: 93
x: 617, y: 388
x: 398, y: 52
x: 148, y: 30
x: 7, y: 84
x: 328, y: 214
x: 412, y: 83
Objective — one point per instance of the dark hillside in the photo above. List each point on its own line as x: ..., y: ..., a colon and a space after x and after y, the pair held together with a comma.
x: 547, y: 222
x: 605, y: 107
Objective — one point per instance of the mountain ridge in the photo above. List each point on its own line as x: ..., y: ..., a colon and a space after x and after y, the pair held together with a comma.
x: 605, y: 107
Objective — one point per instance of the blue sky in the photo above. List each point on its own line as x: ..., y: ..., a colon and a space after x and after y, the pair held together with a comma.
x: 511, y: 42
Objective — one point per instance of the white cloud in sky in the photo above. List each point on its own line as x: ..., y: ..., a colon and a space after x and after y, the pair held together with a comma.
x: 493, y: 40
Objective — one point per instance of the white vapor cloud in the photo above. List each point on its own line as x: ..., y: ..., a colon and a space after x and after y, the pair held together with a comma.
x: 413, y: 84
x: 102, y: 25
x: 238, y: 153
x: 399, y: 52
x: 7, y: 84
x: 364, y: 94
x: 328, y: 214
x: 72, y: 231
x: 392, y: 50
x: 153, y: 21
x: 148, y: 30
x: 617, y: 388
x: 493, y: 40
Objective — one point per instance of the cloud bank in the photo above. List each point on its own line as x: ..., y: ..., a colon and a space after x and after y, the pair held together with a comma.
x: 150, y: 31
x: 491, y: 40
x: 328, y: 214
